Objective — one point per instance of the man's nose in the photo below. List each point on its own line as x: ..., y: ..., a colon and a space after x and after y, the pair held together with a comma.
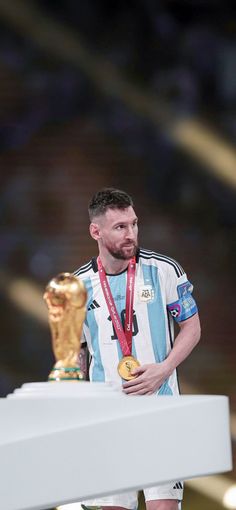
x: 130, y: 233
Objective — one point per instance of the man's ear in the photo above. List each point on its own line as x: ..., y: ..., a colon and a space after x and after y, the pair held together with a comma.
x: 94, y: 231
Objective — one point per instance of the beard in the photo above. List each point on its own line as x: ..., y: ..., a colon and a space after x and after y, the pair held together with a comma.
x: 121, y: 254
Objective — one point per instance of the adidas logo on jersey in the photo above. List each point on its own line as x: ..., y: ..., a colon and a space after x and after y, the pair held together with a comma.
x: 93, y: 305
x: 178, y: 485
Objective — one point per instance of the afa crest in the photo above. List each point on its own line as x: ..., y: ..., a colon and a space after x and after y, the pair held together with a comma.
x: 146, y: 293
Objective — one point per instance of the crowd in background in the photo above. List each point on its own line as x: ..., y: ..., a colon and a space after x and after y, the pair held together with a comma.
x: 183, y: 53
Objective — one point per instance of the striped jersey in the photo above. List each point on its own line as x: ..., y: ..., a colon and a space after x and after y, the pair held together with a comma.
x: 162, y: 294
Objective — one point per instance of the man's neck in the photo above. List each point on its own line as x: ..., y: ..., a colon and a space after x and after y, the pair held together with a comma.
x: 112, y: 265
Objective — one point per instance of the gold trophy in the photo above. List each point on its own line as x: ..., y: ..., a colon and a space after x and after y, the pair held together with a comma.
x: 66, y: 298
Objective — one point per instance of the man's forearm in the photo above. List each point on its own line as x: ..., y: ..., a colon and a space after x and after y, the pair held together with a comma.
x: 186, y: 340
x: 150, y: 377
x: 83, y: 361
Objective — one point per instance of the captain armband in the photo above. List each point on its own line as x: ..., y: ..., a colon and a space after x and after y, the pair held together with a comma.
x: 185, y: 306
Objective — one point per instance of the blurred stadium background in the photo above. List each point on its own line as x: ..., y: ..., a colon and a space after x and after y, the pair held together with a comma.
x: 135, y: 94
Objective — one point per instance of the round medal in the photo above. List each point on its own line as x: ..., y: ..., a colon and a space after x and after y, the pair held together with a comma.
x: 125, y: 367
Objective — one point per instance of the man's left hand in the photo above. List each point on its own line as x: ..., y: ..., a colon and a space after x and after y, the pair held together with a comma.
x: 148, y: 379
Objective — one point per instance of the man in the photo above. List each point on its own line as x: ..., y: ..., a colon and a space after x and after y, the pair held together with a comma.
x: 133, y: 297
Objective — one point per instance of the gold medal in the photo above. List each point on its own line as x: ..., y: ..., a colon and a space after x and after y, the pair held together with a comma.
x: 125, y: 367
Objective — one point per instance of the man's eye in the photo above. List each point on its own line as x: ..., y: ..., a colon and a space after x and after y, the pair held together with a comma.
x: 119, y: 227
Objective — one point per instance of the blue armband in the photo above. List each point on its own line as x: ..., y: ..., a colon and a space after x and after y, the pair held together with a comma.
x: 185, y: 306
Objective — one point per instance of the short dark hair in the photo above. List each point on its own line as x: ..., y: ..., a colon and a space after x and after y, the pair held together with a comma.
x: 108, y: 198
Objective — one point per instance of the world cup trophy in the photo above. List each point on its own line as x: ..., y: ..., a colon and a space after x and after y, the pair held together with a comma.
x: 66, y: 297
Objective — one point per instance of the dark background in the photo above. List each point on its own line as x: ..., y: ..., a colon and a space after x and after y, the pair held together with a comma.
x: 135, y: 94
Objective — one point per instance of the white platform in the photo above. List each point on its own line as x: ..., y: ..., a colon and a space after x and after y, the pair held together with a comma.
x: 64, y: 442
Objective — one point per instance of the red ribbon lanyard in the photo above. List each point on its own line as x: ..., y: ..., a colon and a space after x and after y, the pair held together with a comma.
x: 124, y: 336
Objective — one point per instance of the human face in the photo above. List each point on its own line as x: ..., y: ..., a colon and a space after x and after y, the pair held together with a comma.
x: 117, y: 233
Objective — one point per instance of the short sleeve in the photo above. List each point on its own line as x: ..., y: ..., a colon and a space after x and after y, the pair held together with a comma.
x: 180, y: 302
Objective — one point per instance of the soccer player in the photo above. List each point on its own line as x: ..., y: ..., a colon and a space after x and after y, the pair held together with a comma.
x: 134, y: 295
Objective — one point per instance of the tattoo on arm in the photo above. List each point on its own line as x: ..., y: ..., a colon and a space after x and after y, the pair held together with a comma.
x: 83, y: 361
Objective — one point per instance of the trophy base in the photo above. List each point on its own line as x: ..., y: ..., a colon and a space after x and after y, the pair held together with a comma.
x: 66, y: 374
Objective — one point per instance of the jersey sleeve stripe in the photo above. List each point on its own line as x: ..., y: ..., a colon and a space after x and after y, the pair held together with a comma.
x: 83, y: 269
x: 163, y: 257
x: 146, y: 254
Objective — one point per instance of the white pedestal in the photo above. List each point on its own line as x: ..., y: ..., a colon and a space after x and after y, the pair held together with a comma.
x: 64, y: 442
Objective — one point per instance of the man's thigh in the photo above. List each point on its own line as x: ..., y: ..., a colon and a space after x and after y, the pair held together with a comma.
x: 162, y: 504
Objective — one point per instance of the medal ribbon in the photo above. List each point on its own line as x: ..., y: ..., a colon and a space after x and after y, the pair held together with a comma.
x: 124, y: 335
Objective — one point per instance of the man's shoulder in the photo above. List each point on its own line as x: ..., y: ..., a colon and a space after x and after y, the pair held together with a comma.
x: 160, y: 260
x: 85, y: 270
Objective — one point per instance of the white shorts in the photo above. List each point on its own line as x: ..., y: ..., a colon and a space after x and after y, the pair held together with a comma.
x: 130, y: 499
